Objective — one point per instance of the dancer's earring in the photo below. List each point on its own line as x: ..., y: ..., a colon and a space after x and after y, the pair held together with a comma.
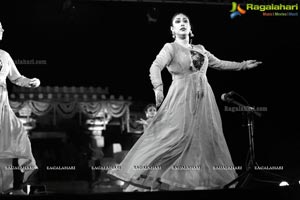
x: 173, y: 35
x: 191, y: 34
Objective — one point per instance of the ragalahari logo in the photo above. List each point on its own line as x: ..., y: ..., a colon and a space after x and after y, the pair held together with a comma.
x: 236, y: 10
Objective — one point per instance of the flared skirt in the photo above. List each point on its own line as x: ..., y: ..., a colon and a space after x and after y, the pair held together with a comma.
x: 184, y: 146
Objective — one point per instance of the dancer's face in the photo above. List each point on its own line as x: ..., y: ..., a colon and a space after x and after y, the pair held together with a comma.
x: 151, y: 112
x: 1, y: 31
x: 181, y: 25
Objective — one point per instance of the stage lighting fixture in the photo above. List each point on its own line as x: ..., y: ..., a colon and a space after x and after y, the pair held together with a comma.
x: 152, y: 14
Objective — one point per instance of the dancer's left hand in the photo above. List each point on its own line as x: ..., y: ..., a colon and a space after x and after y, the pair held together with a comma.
x: 34, y: 82
x: 252, y: 63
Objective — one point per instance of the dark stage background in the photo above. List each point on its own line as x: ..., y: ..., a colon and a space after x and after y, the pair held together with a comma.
x: 112, y: 44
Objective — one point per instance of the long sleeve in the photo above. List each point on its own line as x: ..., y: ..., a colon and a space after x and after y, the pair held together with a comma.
x: 216, y: 63
x: 14, y: 75
x: 162, y: 60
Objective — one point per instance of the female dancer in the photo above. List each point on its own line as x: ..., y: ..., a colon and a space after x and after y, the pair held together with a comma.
x: 183, y: 148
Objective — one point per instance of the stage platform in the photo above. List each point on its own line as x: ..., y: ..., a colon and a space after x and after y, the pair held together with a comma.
x: 282, y: 193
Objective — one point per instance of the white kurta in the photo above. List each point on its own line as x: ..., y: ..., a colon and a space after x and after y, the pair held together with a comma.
x: 14, y: 141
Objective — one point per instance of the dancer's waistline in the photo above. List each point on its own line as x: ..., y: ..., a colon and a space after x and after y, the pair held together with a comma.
x: 182, y: 76
x: 198, y: 77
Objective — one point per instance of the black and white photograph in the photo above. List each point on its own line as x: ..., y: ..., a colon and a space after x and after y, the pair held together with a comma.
x: 149, y: 99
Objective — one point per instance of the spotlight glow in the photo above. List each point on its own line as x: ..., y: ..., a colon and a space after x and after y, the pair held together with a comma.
x: 120, y: 183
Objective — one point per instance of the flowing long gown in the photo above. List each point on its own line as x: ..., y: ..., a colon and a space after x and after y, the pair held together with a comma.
x: 14, y: 141
x: 184, y: 146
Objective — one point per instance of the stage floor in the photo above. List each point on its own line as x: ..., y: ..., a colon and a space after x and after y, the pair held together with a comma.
x: 268, y: 193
